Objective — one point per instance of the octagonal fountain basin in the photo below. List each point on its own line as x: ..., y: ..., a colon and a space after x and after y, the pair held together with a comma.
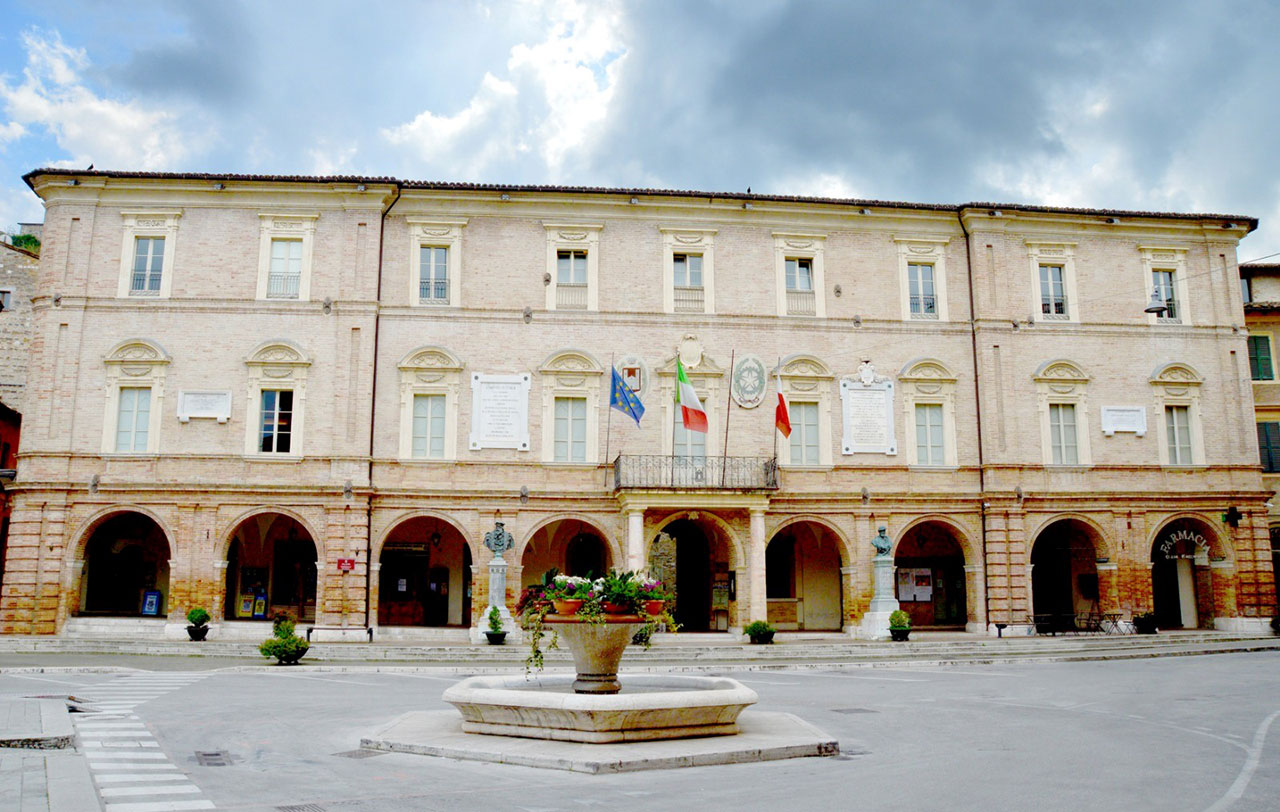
x: 650, y: 706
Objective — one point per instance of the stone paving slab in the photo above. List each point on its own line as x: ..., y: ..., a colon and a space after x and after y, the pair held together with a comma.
x: 38, y: 781
x: 38, y: 724
x: 764, y: 736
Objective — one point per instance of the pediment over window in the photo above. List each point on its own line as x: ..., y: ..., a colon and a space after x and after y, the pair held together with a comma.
x: 805, y: 366
x: 137, y: 351
x: 706, y: 368
x: 1060, y: 371
x: 436, y: 359
x: 926, y: 370
x: 571, y: 361
x: 1176, y: 373
x: 279, y: 352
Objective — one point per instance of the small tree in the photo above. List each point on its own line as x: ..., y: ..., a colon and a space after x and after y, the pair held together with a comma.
x: 27, y: 242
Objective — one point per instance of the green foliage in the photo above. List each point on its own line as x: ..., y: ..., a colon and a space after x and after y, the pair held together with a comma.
x: 532, y: 622
x: 27, y: 242
x: 899, y: 619
x: 495, y: 619
x: 284, y: 645
x: 757, y: 627
x: 197, y: 616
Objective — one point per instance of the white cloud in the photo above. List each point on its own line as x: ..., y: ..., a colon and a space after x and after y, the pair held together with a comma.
x: 107, y: 132
x: 552, y: 104
x: 11, y: 132
x: 327, y: 159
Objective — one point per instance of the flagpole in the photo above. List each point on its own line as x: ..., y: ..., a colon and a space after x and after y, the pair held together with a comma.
x: 728, y: 408
x: 608, y: 423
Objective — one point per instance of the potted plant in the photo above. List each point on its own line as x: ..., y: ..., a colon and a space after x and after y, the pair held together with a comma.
x: 495, y: 634
x: 619, y: 593
x: 1275, y: 624
x: 199, y: 620
x: 567, y: 593
x: 283, y: 644
x: 1145, y: 623
x: 760, y: 632
x: 899, y: 625
x: 653, y: 598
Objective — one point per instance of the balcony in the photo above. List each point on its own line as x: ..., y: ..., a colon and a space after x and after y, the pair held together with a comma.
x: 433, y: 291
x: 283, y: 285
x: 656, y: 472
x: 924, y: 307
x: 801, y: 303
x: 688, y: 300
x: 571, y: 296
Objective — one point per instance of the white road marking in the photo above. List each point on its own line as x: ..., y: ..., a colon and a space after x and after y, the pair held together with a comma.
x: 320, y: 679
x: 118, y: 792
x: 119, y: 778
x: 44, y: 679
x: 160, y: 806
x: 98, y: 755
x: 1236, y: 791
x: 107, y: 766
x: 94, y: 733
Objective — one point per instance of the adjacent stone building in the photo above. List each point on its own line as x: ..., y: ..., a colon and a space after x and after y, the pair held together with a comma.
x: 1260, y: 288
x: 316, y: 394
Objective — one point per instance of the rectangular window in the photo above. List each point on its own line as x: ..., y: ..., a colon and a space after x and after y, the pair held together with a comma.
x: 1053, y: 292
x: 1269, y: 446
x: 804, y: 433
x: 148, y: 265
x: 1178, y: 423
x: 800, y: 274
x: 1162, y: 280
x: 286, y: 269
x: 920, y: 282
x: 433, y: 275
x: 133, y: 419
x: 571, y: 267
x: 1062, y: 433
x: 929, y: 450
x: 428, y: 426
x: 277, y: 421
x: 1260, y: 358
x: 1246, y: 289
x: 688, y: 270
x: 571, y: 430
x: 6, y: 300
x: 688, y: 445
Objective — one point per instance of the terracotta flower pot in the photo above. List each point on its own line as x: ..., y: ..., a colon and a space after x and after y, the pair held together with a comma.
x: 615, y: 609
x: 653, y: 607
x: 569, y: 606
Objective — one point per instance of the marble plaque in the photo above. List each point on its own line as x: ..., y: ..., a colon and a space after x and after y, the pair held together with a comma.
x: 867, y: 417
x: 1124, y: 418
x: 204, y: 403
x: 500, y: 411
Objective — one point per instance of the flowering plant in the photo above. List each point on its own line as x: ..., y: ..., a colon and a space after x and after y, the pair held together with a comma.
x: 569, y: 587
x: 652, y: 589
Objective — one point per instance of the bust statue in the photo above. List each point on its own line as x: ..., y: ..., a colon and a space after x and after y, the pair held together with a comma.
x: 499, y: 540
x: 881, y: 542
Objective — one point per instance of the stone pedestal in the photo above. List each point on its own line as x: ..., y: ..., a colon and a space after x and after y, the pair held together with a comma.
x: 875, y: 623
x: 597, y: 649
x: 498, y: 598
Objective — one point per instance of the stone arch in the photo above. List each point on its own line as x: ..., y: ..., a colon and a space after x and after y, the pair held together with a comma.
x: 278, y: 351
x: 430, y: 357
x: 1176, y: 372
x: 958, y: 531
x: 804, y: 365
x: 89, y: 525
x: 138, y: 350
x: 229, y: 530
x: 1192, y: 578
x: 616, y: 553
x: 1061, y: 369
x: 926, y: 369
x: 1216, y: 547
x: 1102, y: 543
x: 846, y: 548
x: 571, y: 359
x: 390, y: 527
x: 737, y: 555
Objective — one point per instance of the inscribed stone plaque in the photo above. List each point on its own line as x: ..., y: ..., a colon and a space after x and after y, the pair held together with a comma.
x: 203, y: 403
x: 1124, y: 418
x: 500, y: 411
x: 868, y: 417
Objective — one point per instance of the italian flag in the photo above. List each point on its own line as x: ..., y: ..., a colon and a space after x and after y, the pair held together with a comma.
x: 694, y: 416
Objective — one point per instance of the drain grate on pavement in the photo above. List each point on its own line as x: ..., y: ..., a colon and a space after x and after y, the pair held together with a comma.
x: 301, y: 808
x: 853, y: 710
x: 361, y: 753
x: 213, y: 758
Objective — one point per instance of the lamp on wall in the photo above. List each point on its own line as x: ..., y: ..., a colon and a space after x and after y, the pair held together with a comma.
x: 1155, y: 305
x: 434, y: 538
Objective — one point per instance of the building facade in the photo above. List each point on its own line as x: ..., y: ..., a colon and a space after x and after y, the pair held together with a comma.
x: 1260, y: 289
x: 316, y: 395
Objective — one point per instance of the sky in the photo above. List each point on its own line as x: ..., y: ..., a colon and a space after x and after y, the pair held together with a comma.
x: 1164, y: 105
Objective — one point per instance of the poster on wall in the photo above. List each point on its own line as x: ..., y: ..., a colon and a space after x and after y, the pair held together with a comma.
x: 151, y: 602
x: 245, y: 609
x: 915, y: 584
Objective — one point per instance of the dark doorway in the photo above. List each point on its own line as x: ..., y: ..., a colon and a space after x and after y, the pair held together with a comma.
x: 929, y: 570
x: 585, y: 556
x: 425, y: 578
x: 693, y: 576
x: 1165, y: 593
x: 126, y: 558
x: 1064, y: 577
x: 271, y: 568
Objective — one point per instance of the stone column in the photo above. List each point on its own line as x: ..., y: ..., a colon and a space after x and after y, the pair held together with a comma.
x: 1108, y: 587
x: 757, y: 600
x: 217, y: 609
x: 635, y: 541
x: 375, y: 586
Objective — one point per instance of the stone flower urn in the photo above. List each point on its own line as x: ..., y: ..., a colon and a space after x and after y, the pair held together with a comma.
x: 596, y: 648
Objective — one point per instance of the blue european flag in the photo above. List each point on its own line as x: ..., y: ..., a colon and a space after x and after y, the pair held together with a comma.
x: 624, y: 400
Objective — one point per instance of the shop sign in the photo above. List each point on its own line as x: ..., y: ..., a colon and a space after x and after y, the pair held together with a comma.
x: 346, y: 564
x: 151, y: 602
x: 1170, y: 543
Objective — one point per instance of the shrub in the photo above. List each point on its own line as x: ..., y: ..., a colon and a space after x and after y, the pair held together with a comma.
x: 197, y: 616
x: 757, y: 627
x: 495, y: 619
x: 27, y: 242
x: 284, y: 645
x: 899, y: 619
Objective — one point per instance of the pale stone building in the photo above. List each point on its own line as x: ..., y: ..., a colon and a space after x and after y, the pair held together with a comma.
x: 1260, y: 288
x: 316, y: 395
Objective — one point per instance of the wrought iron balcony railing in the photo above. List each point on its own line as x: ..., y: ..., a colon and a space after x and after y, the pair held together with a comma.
x: 695, y: 473
x: 801, y: 303
x: 571, y: 296
x: 688, y: 300
x: 433, y: 291
x: 923, y: 306
x: 283, y: 285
